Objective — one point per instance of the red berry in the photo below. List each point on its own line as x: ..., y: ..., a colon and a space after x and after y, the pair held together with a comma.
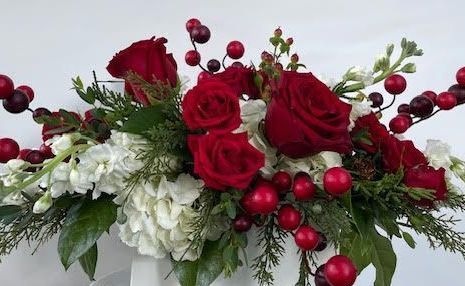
x: 200, y: 34
x: 35, y: 157
x: 28, y: 91
x: 263, y: 199
x: 191, y: 23
x: 203, y: 75
x: 395, y: 84
x: 295, y: 58
x: 16, y: 103
x: 399, y: 124
x: 340, y: 271
x: 46, y: 151
x: 406, y: 115
x: 242, y: 223
x: 320, y: 278
x: 459, y: 91
x: 192, y: 58
x: 23, y: 154
x: 337, y: 181
x: 237, y: 65
x: 303, y: 187
x: 289, y: 41
x: 306, y: 238
x: 9, y: 150
x: 278, y: 32
x: 322, y: 243
x: 461, y: 76
x: 282, y: 181
x: 446, y: 100
x: 431, y: 95
x: 39, y: 112
x: 289, y: 217
x: 6, y: 87
x: 235, y: 50
x: 421, y: 106
x: 376, y: 98
x: 213, y: 65
x: 403, y: 108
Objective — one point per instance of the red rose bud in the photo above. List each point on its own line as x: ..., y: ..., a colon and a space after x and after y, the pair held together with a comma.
x: 6, y: 87
x: 446, y: 100
x: 395, y: 84
x: 340, y: 271
x: 263, y: 200
x: 460, y: 76
x: 294, y: 58
x: 278, y: 32
x: 428, y: 178
x: 9, y: 150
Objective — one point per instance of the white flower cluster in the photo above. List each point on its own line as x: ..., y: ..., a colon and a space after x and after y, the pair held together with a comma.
x: 439, y: 155
x: 359, y: 109
x: 360, y: 74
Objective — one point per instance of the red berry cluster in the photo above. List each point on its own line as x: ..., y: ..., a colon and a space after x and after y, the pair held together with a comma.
x: 200, y: 34
x: 15, y: 100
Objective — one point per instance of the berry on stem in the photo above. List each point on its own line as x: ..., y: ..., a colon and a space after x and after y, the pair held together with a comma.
x: 399, y: 124
x: 235, y: 50
x: 376, y: 98
x: 459, y: 91
x: 242, y: 223
x: 446, y: 100
x: 39, y: 112
x: 460, y: 76
x: 23, y: 154
x: 421, y: 106
x: 337, y: 181
x: 431, y: 95
x: 403, y: 108
x: 192, y: 58
x: 395, y: 84
x: 16, y: 103
x: 191, y: 23
x: 303, y: 187
x: 46, y: 151
x: 237, y: 65
x: 278, y: 32
x: 323, y: 242
x: 306, y: 238
x: 28, y: 91
x: 9, y: 150
x: 289, y: 217
x: 200, y: 34
x: 6, y: 87
x: 213, y: 65
x: 340, y: 271
x: 282, y: 181
x: 35, y: 157
x: 203, y: 75
x: 320, y: 278
x: 263, y: 199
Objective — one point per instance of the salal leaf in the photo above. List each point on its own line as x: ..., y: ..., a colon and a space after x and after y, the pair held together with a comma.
x: 383, y: 258
x: 88, y: 261
x: 358, y: 250
x: 144, y: 119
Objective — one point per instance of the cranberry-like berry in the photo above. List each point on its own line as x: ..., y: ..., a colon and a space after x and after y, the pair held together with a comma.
x: 263, y: 199
x: 213, y: 65
x: 235, y: 50
x: 303, y: 187
x: 282, y: 181
x: 203, y: 75
x: 6, y: 87
x: 460, y: 76
x: 399, y: 124
x: 278, y: 32
x: 35, y: 157
x: 39, y: 112
x: 306, y: 238
x: 337, y: 181
x: 446, y: 101
x: 191, y: 23
x: 237, y: 65
x: 403, y: 108
x: 289, y: 217
x: 376, y: 98
x: 406, y: 115
x: 459, y: 91
x: 23, y: 154
x: 46, y: 151
x: 9, y: 150
x: 340, y: 271
x: 200, y: 34
x: 431, y: 95
x: 289, y: 41
x: 395, y: 84
x: 295, y: 58
x: 192, y: 58
x: 323, y: 242
x: 242, y: 223
x: 28, y: 91
x: 421, y: 106
x: 320, y: 278
x: 17, y: 103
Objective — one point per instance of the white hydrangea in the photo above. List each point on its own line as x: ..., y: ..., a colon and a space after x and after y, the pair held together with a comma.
x: 359, y: 109
x: 158, y: 218
x: 252, y: 113
x: 438, y: 154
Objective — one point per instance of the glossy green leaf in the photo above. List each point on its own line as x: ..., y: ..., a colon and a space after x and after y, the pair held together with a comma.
x: 88, y: 261
x: 144, y: 119
x: 409, y: 239
x: 383, y: 258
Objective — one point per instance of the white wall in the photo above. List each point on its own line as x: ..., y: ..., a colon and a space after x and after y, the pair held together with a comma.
x: 45, y: 43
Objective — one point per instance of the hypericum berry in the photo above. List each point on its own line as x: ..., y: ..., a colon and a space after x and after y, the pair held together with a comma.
x: 295, y: 58
x: 282, y: 181
x: 235, y: 50
x: 192, y: 58
x: 237, y: 65
x: 431, y: 95
x: 421, y: 106
x: 279, y: 66
x: 340, y: 271
x: 322, y: 243
x: 337, y: 181
x: 303, y: 187
x: 39, y: 112
x: 461, y: 76
x: 395, y: 84
x: 16, y: 103
x: 191, y: 23
x: 23, y: 154
x: 376, y: 98
x: 278, y: 32
x: 459, y: 91
x: 289, y: 217
x: 35, y: 157
x: 213, y: 65
x: 399, y: 124
x: 203, y: 75
x: 46, y: 151
x: 306, y: 238
x: 263, y: 199
x: 403, y: 108
x: 9, y: 150
x: 289, y: 41
x: 200, y: 34
x: 28, y: 91
x: 242, y: 223
x: 6, y: 87
x: 320, y: 278
x: 446, y: 100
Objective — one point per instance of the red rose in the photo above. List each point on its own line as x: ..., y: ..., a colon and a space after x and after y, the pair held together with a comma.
x: 305, y: 117
x: 213, y: 106
x: 148, y: 59
x: 427, y: 177
x: 60, y: 128
x: 241, y: 80
x: 370, y: 128
x: 397, y: 154
x: 225, y: 160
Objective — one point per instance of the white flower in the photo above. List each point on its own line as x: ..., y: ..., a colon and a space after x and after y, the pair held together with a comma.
x: 16, y: 165
x: 270, y: 154
x: 61, y: 143
x: 252, y: 113
x: 438, y: 154
x: 43, y: 204
x: 361, y: 74
x: 359, y: 109
x: 58, y: 180
x: 128, y: 141
x: 330, y: 82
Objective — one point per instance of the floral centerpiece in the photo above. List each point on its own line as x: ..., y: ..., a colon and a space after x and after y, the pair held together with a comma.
x: 186, y: 173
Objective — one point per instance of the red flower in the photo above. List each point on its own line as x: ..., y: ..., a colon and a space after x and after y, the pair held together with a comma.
x: 305, y: 117
x: 213, y: 106
x: 225, y: 160
x: 148, y: 59
x: 241, y: 80
x: 46, y: 128
x: 397, y: 154
x: 370, y: 128
x: 427, y: 177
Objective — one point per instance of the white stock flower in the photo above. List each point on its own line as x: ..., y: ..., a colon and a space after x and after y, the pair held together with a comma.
x: 58, y: 180
x: 359, y: 109
x: 270, y: 154
x: 43, y: 204
x: 438, y: 154
x: 16, y: 165
x: 361, y: 74
x: 252, y: 113
x: 61, y: 143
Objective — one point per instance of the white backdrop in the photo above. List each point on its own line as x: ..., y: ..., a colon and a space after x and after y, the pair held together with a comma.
x: 45, y: 43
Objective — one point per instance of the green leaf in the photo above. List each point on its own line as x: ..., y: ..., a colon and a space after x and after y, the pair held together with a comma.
x: 69, y: 118
x: 358, y: 251
x: 88, y: 261
x: 144, y: 119
x: 83, y: 226
x: 9, y: 213
x: 383, y: 258
x: 203, y: 271
x: 409, y: 239
x: 231, y: 209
